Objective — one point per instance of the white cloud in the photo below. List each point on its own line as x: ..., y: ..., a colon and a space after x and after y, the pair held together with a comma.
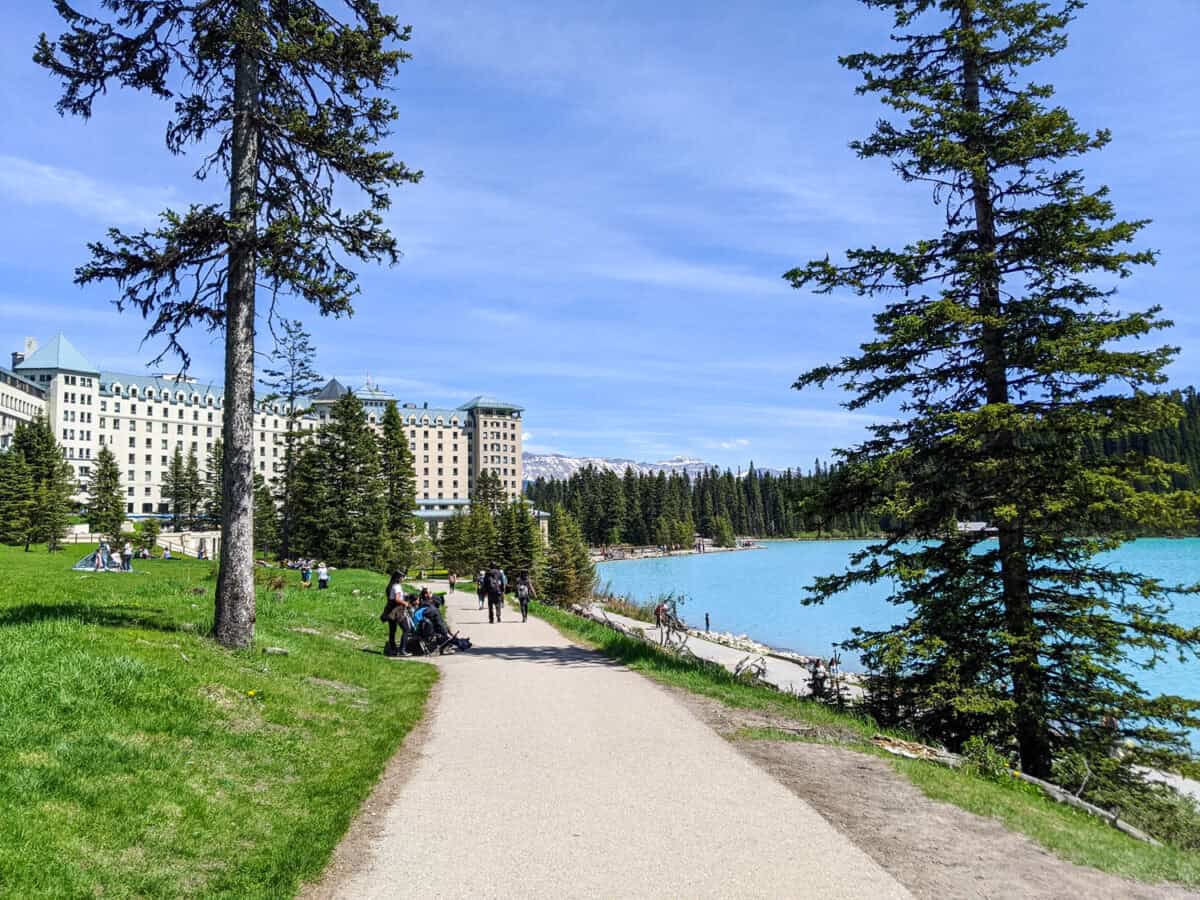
x: 734, y: 444
x: 38, y: 184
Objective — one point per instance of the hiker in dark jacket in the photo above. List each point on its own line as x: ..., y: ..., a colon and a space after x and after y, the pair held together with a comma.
x: 525, y: 593
x: 494, y: 588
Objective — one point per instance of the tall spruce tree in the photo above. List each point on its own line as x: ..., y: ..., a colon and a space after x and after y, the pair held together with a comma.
x: 214, y: 495
x: 284, y: 97
x: 1000, y: 342
x: 266, y: 516
x: 193, y: 494
x: 53, y: 482
x: 311, y: 502
x: 175, y: 487
x: 16, y: 498
x: 355, y: 518
x: 293, y: 380
x: 570, y: 575
x: 106, y: 505
x: 400, y: 478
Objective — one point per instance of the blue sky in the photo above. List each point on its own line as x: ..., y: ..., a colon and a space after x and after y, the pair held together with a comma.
x: 612, y: 192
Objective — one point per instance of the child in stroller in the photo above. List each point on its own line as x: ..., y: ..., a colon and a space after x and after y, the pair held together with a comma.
x: 423, y: 631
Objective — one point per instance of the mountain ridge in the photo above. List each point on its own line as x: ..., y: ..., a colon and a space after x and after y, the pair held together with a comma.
x: 561, y: 466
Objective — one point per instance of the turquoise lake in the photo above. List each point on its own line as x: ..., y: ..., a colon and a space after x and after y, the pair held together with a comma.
x: 758, y: 593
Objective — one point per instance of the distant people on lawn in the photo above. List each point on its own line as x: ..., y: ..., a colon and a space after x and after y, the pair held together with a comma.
x: 127, y: 557
x: 305, y: 573
x: 322, y: 577
x: 166, y: 552
x: 525, y: 593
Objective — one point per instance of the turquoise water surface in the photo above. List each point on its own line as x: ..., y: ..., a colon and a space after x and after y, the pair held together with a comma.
x: 758, y: 593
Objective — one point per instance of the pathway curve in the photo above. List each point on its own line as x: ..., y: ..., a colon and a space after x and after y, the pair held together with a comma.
x: 548, y: 770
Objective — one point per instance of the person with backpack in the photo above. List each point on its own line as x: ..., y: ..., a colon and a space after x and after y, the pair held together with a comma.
x: 494, y: 589
x: 396, y: 613
x: 525, y: 593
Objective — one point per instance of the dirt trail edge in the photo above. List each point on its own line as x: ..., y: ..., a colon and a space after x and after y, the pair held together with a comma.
x: 547, y: 770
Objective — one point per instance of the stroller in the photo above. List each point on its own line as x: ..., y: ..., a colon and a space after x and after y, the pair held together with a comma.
x: 427, y: 633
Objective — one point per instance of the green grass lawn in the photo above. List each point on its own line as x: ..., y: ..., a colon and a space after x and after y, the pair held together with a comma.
x: 1069, y: 833
x: 138, y: 758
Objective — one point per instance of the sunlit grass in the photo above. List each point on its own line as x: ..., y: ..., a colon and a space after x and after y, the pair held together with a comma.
x: 138, y: 758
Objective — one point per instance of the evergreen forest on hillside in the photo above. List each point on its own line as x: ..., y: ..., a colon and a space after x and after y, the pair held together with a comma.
x: 669, y: 509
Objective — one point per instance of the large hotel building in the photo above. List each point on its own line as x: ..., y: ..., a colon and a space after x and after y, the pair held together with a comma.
x: 144, y: 419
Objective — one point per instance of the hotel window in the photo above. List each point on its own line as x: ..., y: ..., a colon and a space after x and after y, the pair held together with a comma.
x: 133, y: 442
x: 129, y: 491
x: 130, y: 474
x: 149, y: 477
x: 132, y: 458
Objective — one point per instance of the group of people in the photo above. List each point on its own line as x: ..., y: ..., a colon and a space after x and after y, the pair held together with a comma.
x: 412, y: 614
x: 491, y: 584
x: 306, y: 567
x: 122, y: 556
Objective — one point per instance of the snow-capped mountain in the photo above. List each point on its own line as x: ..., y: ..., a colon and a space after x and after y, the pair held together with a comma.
x: 558, y: 466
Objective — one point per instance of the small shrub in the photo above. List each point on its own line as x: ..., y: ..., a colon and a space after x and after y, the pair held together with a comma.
x: 985, y: 760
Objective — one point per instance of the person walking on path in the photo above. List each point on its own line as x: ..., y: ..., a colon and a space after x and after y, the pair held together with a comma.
x: 397, y: 615
x: 322, y: 577
x: 480, y: 591
x: 524, y: 594
x: 493, y: 587
x: 451, y: 580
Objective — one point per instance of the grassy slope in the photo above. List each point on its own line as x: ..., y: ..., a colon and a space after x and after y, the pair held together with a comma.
x: 139, y: 758
x: 1068, y: 833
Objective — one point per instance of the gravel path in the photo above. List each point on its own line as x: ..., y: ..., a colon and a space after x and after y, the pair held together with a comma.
x: 547, y: 770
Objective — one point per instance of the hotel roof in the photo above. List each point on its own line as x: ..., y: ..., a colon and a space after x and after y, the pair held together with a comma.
x: 58, y: 354
x: 485, y: 402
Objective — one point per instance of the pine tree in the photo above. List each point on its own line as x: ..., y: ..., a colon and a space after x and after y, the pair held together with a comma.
x: 293, y: 380
x: 454, y: 544
x: 570, y: 575
x: 193, y: 492
x: 356, y: 531
x: 481, y: 537
x: 53, y: 482
x: 490, y: 492
x: 16, y: 499
x: 213, y: 493
x: 999, y: 341
x: 400, y: 478
x: 106, y: 505
x: 311, y: 504
x: 174, y: 486
x: 150, y: 530
x: 283, y: 98
x: 266, y: 516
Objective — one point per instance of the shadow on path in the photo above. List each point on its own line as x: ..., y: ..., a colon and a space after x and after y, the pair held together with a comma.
x: 567, y: 657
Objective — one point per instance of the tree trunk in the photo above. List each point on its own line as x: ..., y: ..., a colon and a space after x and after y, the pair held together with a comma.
x: 1024, y: 668
x: 235, y: 584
